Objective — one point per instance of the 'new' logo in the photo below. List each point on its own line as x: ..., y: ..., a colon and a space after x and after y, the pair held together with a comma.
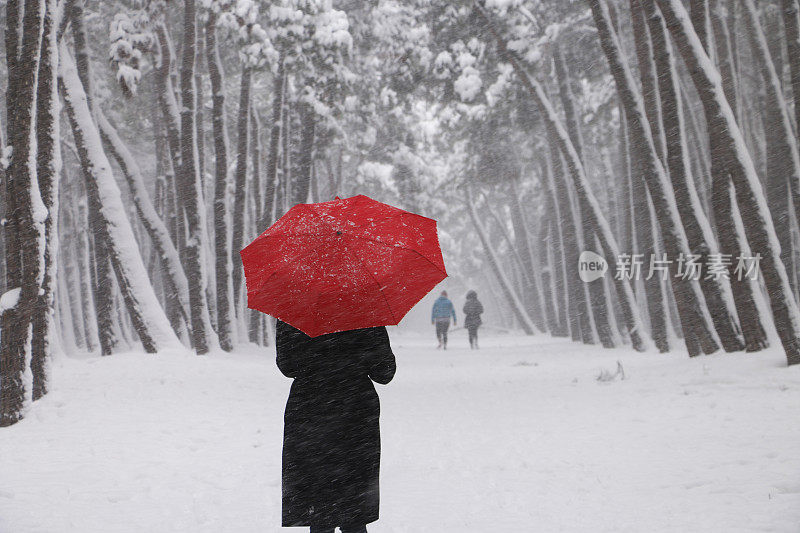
x: 591, y: 266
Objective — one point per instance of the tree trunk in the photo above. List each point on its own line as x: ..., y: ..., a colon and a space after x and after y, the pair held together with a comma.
x: 191, y: 193
x: 102, y: 274
x: 698, y: 230
x: 557, y: 250
x: 695, y: 320
x: 546, y: 269
x: 626, y: 201
x: 301, y: 182
x: 596, y: 289
x: 177, y: 314
x: 647, y: 76
x: 148, y: 318
x: 522, y: 243
x: 699, y: 17
x: 221, y: 218
x: 69, y: 282
x: 48, y: 170
x: 165, y: 91
x: 199, y: 115
x: 85, y: 274
x: 172, y: 271
x: 783, y: 161
x: 791, y: 22
x: 633, y: 323
x: 271, y: 178
x: 519, y: 310
x: 257, y: 203
x: 579, y: 314
x: 645, y: 223
x: 731, y: 156
x: 240, y: 187
x: 25, y: 256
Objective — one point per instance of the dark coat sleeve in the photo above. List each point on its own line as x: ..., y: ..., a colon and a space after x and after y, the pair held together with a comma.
x: 382, y: 364
x: 291, y: 347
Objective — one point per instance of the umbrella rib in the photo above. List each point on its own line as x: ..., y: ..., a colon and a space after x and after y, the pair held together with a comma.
x: 402, y: 248
x: 368, y: 271
x: 378, y: 283
x: 311, y: 211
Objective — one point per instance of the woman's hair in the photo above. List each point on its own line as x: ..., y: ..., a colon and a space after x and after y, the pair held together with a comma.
x: 471, y: 295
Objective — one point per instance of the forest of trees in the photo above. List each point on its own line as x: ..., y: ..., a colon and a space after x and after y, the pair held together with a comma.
x: 145, y: 142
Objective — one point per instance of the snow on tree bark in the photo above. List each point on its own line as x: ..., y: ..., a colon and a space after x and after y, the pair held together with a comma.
x: 546, y: 269
x: 699, y: 17
x: 511, y: 296
x: 694, y: 316
x: 522, y: 241
x: 597, y: 289
x: 222, y: 249
x: 578, y: 311
x: 84, y: 276
x: 576, y: 172
x: 732, y: 241
x: 698, y: 230
x: 557, y: 252
x: 734, y: 158
x: 240, y: 186
x: 191, y: 194
x: 783, y: 161
x: 25, y: 255
x: 169, y: 106
x: 142, y: 305
x: 48, y: 170
x: 271, y: 188
x: 255, y: 329
x: 791, y: 21
x: 645, y: 223
x: 647, y: 75
x: 301, y: 180
x: 102, y: 276
x: 172, y: 272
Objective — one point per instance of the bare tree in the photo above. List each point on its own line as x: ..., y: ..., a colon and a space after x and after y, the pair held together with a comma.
x: 148, y: 318
x: 221, y: 216
x: 191, y: 193
x: 48, y: 169
x: 25, y: 231
x: 695, y: 322
x: 730, y: 156
x: 576, y: 172
x: 240, y: 184
x: 698, y: 230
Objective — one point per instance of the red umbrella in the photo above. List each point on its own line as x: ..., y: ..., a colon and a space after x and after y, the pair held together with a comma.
x: 340, y: 265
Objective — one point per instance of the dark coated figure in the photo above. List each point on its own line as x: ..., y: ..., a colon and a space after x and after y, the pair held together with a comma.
x: 331, y: 437
x: 472, y: 318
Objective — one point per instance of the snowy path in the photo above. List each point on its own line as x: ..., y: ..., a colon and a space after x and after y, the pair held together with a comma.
x: 518, y: 437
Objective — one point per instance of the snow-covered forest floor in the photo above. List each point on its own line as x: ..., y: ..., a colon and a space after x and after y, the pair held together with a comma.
x: 519, y: 436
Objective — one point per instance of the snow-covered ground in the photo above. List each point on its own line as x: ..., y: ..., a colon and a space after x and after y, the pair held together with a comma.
x: 516, y: 437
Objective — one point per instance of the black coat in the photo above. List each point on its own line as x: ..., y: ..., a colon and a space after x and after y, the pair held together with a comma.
x: 472, y: 313
x: 331, y: 435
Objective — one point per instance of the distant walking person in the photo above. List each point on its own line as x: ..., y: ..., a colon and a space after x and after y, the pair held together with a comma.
x: 442, y: 310
x: 472, y: 318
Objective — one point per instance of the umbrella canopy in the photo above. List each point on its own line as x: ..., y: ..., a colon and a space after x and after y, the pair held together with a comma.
x: 341, y: 265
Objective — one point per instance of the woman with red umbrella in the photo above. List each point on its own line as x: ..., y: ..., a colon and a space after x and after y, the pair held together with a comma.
x: 331, y: 443
x: 335, y: 274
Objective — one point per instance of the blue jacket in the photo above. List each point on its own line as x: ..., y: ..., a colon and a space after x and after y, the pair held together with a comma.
x: 443, y: 308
